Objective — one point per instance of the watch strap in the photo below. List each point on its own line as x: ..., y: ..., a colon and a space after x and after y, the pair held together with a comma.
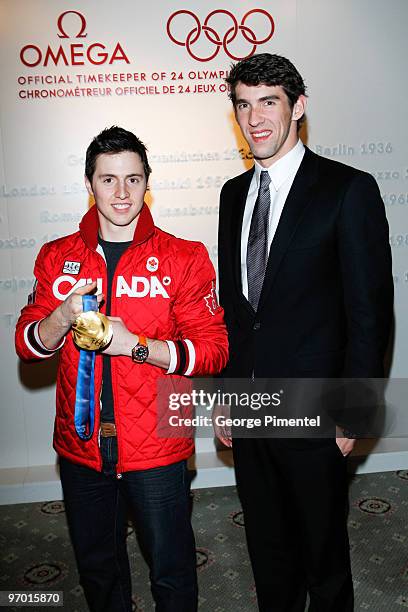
x: 142, y: 340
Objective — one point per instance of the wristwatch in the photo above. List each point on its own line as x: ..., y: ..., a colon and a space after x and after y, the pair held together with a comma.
x: 140, y: 352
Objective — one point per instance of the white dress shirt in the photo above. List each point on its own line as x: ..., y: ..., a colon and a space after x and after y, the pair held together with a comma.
x: 282, y: 174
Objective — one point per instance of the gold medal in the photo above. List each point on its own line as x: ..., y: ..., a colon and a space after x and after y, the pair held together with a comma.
x: 92, y: 331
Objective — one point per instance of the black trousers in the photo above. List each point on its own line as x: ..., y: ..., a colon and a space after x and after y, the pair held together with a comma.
x: 294, y: 498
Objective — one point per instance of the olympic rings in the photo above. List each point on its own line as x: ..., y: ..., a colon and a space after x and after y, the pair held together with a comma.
x: 213, y: 36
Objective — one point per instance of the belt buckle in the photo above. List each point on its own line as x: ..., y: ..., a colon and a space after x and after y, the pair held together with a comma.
x: 108, y: 430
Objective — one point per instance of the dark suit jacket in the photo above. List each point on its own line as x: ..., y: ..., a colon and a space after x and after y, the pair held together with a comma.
x: 326, y: 303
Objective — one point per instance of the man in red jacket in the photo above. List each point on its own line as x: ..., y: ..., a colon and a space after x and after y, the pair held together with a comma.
x: 159, y: 292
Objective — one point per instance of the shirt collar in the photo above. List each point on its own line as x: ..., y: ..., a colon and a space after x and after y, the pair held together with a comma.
x: 285, y: 167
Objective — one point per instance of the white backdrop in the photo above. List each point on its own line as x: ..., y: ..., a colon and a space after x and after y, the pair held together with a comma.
x: 69, y: 69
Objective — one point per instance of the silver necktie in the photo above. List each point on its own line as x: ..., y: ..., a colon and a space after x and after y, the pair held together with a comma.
x: 257, y: 251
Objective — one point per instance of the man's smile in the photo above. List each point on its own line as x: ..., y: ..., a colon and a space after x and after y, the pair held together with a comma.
x: 121, y: 206
x: 261, y: 136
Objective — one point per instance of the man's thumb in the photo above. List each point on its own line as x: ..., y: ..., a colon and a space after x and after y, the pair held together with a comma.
x: 86, y: 289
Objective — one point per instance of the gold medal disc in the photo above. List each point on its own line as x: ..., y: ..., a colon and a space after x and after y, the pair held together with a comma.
x: 92, y: 331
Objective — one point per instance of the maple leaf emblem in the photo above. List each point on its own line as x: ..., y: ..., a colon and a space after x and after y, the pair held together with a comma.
x: 211, y: 300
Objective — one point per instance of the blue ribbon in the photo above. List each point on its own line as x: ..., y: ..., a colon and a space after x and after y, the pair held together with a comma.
x: 85, y: 388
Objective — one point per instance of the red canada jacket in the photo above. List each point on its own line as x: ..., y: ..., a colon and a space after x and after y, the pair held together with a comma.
x: 164, y: 287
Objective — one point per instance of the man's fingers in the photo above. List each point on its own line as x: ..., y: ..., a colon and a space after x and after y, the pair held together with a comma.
x: 225, y: 441
x: 86, y: 289
x: 345, y: 445
x: 223, y: 436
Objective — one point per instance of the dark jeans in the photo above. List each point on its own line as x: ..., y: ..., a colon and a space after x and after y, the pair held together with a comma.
x: 158, y: 500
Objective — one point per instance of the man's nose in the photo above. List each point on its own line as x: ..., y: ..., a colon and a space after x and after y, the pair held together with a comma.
x: 122, y: 191
x: 255, y: 117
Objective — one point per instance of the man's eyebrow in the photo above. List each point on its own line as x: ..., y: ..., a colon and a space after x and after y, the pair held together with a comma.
x: 108, y: 175
x: 271, y: 97
x: 263, y: 99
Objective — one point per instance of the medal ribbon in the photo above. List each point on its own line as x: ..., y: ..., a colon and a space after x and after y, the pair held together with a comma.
x: 85, y: 389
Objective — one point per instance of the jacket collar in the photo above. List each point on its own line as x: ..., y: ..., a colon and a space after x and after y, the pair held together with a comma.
x: 89, y: 227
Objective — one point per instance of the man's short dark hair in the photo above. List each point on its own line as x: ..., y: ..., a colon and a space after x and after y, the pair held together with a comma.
x: 115, y: 140
x: 267, y: 69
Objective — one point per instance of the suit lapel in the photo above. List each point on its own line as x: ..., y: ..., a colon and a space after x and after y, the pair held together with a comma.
x: 298, y: 199
x: 236, y: 230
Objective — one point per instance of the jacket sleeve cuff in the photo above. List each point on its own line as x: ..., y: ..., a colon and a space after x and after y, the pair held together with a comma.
x: 182, y: 357
x: 34, y: 344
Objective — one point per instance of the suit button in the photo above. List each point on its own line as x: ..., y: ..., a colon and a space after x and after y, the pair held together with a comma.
x: 257, y: 325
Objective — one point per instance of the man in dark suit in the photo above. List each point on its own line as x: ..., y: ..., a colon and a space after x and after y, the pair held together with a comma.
x: 306, y: 285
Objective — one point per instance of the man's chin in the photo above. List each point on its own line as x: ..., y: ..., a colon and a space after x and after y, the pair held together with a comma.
x: 262, y: 155
x: 124, y: 221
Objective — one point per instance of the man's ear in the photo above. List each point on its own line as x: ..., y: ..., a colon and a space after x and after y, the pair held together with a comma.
x: 88, y: 186
x: 299, y: 108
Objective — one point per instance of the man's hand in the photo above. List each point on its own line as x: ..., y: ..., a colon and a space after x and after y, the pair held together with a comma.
x: 122, y: 339
x: 123, y: 342
x: 71, y: 308
x: 56, y: 325
x: 223, y: 433
x: 345, y: 445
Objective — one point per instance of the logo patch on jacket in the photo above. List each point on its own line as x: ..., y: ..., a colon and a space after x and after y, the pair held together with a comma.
x: 71, y: 267
x: 211, y: 300
x: 152, y: 264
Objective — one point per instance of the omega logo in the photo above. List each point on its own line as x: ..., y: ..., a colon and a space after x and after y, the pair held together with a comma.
x: 223, y: 39
x: 74, y: 54
x: 63, y: 34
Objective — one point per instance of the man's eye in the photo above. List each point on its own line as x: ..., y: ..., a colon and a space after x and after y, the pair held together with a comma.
x: 134, y: 180
x: 107, y: 180
x: 242, y: 106
x: 270, y: 102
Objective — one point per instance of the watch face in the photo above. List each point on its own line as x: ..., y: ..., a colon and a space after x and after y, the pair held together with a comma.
x: 140, y: 353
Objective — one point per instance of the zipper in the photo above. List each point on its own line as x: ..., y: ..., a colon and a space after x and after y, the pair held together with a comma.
x: 105, y: 281
x: 116, y: 408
